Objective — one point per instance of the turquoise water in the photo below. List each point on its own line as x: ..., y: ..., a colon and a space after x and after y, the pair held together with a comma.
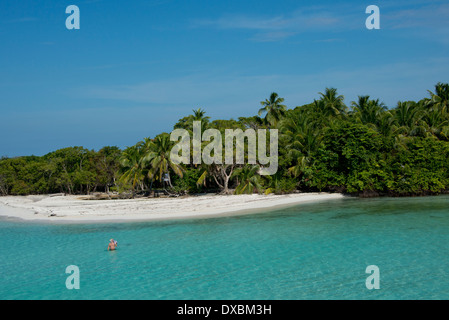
x: 312, y: 251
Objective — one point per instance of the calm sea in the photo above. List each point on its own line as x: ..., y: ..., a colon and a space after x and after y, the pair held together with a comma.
x: 312, y: 251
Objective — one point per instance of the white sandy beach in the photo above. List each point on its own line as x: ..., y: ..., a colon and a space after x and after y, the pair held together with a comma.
x: 74, y: 209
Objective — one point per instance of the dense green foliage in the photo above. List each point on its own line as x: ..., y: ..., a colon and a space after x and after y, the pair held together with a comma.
x: 69, y: 170
x: 366, y: 149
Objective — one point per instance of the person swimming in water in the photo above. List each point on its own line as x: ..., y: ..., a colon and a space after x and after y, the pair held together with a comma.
x: 112, y: 245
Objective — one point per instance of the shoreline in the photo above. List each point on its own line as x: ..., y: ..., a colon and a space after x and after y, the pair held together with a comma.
x: 72, y: 209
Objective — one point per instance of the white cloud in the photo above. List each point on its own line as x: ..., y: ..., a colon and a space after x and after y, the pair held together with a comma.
x: 21, y: 20
x: 433, y: 16
x: 226, y: 94
x: 278, y: 27
x: 420, y: 18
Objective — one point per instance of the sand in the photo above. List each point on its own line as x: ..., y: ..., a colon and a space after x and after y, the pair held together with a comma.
x: 73, y: 209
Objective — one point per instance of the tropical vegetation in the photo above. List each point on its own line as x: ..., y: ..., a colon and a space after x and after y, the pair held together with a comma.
x: 364, y: 148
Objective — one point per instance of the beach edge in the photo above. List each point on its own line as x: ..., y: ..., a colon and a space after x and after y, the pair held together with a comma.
x: 70, y: 209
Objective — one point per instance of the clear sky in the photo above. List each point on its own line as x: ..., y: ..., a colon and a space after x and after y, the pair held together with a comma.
x: 135, y: 67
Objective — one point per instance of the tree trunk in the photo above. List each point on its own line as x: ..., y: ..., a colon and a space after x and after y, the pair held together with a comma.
x: 169, y: 180
x: 226, y: 176
x: 226, y: 182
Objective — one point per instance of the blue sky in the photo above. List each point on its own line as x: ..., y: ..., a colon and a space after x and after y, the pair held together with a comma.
x: 135, y: 67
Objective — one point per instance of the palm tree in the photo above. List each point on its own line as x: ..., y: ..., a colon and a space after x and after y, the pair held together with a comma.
x: 332, y: 104
x: 157, y: 158
x: 440, y: 99
x: 437, y: 124
x: 373, y: 113
x: 408, y: 117
x: 133, y: 168
x: 221, y: 174
x: 302, y: 140
x: 199, y: 115
x: 368, y: 111
x: 273, y: 108
x: 386, y: 123
x: 249, y: 179
x: 187, y: 122
x: 254, y: 122
x: 274, y: 183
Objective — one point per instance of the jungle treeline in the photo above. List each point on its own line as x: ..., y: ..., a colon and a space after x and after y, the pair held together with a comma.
x: 364, y: 148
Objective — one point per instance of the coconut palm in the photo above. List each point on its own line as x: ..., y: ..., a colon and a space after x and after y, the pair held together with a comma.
x: 249, y: 179
x: 187, y: 122
x: 199, y: 115
x: 133, y: 168
x: 302, y: 138
x: 274, y: 183
x: 273, y: 108
x: 332, y: 104
x: 440, y: 99
x: 254, y: 122
x: 436, y: 124
x: 386, y: 123
x: 368, y: 111
x: 373, y: 113
x: 408, y: 117
x: 157, y: 158
x: 220, y: 173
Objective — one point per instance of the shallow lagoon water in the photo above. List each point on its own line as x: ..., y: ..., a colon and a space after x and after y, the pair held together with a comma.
x: 311, y: 251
